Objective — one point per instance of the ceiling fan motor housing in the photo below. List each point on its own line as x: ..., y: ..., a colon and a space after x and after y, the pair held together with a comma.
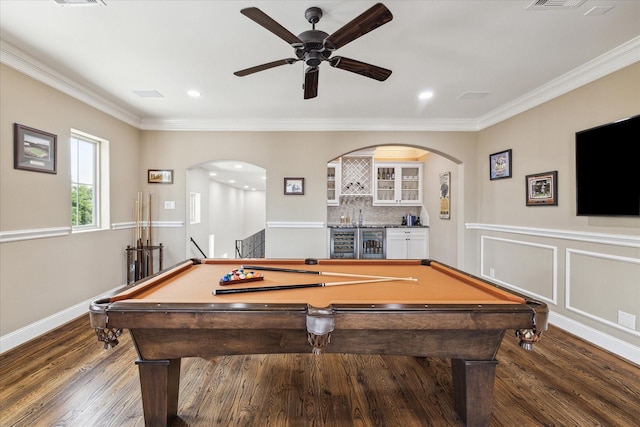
x: 313, y: 51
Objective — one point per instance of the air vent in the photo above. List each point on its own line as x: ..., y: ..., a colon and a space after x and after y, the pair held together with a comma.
x: 81, y: 2
x: 473, y: 95
x: 148, y: 93
x: 554, y: 4
x: 598, y: 10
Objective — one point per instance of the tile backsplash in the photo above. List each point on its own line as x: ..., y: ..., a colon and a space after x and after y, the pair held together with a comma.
x: 372, y: 215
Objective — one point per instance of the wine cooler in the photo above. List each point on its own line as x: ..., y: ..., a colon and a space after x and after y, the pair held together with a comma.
x: 344, y: 243
x: 358, y: 243
x: 371, y: 243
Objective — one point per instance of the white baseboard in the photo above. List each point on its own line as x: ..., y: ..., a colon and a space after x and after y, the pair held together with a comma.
x: 34, y: 330
x: 614, y: 345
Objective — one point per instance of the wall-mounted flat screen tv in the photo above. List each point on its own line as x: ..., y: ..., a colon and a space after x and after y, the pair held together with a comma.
x: 608, y: 169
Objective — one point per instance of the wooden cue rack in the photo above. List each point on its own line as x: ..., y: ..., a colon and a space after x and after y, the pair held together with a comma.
x: 140, y: 255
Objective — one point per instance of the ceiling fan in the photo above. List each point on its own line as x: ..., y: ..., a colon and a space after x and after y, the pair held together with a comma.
x: 315, y: 46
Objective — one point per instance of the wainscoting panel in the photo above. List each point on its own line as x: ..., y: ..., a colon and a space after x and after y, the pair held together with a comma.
x: 598, y: 286
x: 526, y: 267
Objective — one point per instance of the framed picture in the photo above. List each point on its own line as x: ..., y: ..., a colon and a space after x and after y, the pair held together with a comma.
x: 34, y: 150
x: 445, y: 191
x: 160, y: 176
x: 294, y: 186
x: 500, y: 165
x: 542, y: 189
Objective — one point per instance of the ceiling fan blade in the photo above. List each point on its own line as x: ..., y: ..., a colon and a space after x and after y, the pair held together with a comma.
x: 266, y: 66
x: 369, y: 20
x: 270, y: 24
x: 362, y: 68
x: 311, y: 82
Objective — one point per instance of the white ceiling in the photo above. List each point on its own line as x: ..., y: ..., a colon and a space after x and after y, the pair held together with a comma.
x: 518, y: 56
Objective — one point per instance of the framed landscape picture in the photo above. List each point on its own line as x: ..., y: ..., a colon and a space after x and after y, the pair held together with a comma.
x: 160, y: 176
x: 34, y: 150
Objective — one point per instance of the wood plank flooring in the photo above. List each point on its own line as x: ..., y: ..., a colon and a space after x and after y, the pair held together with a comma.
x: 65, y: 378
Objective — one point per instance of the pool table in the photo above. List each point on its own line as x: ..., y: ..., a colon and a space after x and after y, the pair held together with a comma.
x: 389, y: 307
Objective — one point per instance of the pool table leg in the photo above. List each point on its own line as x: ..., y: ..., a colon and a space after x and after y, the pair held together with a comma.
x: 160, y: 383
x: 473, y: 390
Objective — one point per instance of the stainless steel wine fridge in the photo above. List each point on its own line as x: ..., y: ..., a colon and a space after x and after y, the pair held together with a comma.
x: 357, y: 243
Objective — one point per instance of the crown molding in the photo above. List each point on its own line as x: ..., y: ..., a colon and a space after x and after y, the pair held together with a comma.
x: 309, y: 125
x: 15, y: 58
x: 614, y: 60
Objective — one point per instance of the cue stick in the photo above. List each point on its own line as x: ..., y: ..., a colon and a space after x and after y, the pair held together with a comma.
x: 149, y: 239
x: 324, y: 273
x: 285, y: 287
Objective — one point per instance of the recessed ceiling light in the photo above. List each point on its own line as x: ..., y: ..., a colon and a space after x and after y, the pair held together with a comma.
x: 427, y: 94
x: 212, y: 174
x: 238, y: 166
x: 231, y: 181
x: 194, y: 93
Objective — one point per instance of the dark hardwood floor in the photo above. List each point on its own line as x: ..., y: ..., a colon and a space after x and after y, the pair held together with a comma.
x: 65, y: 378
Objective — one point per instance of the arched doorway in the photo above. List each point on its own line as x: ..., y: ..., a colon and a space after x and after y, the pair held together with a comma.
x: 444, y: 231
x: 226, y: 200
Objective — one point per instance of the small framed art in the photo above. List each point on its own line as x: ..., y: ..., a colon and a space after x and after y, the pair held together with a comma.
x: 445, y: 191
x: 160, y: 176
x: 294, y: 186
x: 500, y: 165
x: 542, y: 189
x: 34, y: 150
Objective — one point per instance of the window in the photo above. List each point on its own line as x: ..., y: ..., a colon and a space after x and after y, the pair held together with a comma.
x: 89, y: 182
x: 194, y: 208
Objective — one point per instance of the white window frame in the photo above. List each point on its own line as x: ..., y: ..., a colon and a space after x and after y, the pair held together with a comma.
x: 194, y: 208
x: 102, y: 190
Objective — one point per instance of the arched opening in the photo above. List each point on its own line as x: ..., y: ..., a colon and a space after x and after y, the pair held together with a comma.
x: 226, y: 202
x: 394, y: 186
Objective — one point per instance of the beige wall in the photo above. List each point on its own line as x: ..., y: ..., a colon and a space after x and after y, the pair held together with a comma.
x: 284, y: 154
x: 44, y: 276
x: 524, y: 254
x: 543, y: 139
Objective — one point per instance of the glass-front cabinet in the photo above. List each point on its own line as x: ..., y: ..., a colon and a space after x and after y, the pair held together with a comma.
x: 398, y: 184
x: 333, y: 183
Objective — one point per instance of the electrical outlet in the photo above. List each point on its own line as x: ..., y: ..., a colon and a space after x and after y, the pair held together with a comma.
x: 627, y: 320
x: 169, y: 204
x: 492, y: 272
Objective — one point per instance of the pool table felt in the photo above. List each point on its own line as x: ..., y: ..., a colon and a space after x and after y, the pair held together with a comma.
x: 436, y: 285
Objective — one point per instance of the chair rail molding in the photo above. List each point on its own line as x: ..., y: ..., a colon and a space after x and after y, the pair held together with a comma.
x: 35, y: 233
x: 581, y: 236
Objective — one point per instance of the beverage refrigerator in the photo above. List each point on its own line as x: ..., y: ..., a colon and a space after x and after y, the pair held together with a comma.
x: 357, y: 243
x: 371, y: 243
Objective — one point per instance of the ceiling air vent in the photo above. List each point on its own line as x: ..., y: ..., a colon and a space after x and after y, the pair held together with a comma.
x: 81, y: 2
x: 554, y: 4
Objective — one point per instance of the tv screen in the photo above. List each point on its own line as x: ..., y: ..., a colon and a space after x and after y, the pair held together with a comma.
x: 608, y: 169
